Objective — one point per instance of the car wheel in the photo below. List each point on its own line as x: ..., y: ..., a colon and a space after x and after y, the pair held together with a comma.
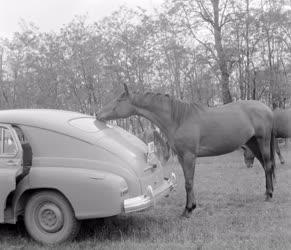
x: 49, y: 218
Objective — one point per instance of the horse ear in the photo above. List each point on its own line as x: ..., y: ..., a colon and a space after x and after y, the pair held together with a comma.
x: 126, y: 89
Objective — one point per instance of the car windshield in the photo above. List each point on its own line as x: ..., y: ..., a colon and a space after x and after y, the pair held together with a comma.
x: 88, y: 124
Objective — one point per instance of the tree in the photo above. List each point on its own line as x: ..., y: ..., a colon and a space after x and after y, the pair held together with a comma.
x: 212, y: 15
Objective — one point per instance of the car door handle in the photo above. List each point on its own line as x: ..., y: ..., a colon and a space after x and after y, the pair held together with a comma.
x: 11, y: 163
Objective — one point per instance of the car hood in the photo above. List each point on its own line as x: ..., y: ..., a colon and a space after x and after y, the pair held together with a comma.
x: 125, y: 145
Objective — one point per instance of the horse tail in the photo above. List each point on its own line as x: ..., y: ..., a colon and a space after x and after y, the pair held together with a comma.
x: 272, y: 146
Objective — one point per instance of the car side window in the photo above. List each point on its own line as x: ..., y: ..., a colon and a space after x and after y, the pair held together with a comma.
x: 7, y: 143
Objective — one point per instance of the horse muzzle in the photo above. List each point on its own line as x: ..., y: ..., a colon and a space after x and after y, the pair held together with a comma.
x: 100, y: 118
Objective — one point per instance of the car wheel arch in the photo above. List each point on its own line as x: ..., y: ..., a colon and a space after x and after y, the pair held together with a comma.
x: 20, y: 203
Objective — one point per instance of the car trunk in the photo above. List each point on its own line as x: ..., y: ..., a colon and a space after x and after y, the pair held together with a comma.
x: 135, y: 152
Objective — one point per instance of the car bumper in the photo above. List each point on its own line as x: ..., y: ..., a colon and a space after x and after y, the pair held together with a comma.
x: 149, y: 199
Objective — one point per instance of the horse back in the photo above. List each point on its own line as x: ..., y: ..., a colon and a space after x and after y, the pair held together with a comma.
x: 259, y: 114
x: 252, y: 110
x: 245, y: 118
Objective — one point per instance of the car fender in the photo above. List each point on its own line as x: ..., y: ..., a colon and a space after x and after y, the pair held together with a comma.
x: 91, y: 193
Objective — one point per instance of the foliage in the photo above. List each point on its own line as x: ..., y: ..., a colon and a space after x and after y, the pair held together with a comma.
x: 205, y: 51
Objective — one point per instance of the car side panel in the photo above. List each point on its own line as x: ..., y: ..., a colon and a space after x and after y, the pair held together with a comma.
x: 7, y: 184
x: 10, y: 169
x: 57, y: 150
x: 91, y: 193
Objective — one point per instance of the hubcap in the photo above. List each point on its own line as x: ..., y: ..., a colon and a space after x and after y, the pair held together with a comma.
x: 49, y: 217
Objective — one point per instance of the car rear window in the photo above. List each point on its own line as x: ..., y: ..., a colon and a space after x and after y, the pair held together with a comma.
x: 88, y: 124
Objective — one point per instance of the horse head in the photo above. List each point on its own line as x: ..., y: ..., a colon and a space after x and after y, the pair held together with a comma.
x: 248, y: 156
x: 120, y: 107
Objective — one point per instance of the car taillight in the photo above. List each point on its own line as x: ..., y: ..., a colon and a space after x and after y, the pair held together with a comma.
x: 123, y: 188
x: 123, y: 192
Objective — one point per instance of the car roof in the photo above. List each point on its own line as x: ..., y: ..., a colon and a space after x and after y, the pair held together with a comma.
x: 38, y: 117
x: 50, y: 119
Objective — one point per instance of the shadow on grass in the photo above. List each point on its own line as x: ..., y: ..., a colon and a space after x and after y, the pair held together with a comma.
x: 7, y: 230
x: 117, y: 228
x: 14, y: 234
x: 120, y: 228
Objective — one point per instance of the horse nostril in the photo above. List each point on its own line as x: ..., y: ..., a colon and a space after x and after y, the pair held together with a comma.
x: 98, y: 117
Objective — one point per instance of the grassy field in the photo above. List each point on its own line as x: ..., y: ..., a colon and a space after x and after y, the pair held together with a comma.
x: 231, y: 214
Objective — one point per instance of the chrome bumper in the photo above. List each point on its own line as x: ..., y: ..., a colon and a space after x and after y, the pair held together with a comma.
x: 149, y: 199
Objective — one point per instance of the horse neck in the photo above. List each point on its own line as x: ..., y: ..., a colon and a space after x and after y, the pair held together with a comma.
x: 161, y: 119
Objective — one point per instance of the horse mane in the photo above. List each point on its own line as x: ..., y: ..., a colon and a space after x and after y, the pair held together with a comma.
x: 179, y: 110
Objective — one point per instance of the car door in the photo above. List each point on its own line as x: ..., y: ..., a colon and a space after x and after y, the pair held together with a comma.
x: 10, y: 163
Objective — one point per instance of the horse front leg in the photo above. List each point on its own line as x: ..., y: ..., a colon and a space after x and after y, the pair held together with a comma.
x: 187, y: 161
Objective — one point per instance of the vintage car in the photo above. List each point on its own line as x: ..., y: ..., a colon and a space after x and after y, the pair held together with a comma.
x: 60, y: 167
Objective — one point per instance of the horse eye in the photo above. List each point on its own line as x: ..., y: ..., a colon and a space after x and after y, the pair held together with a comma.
x: 121, y: 98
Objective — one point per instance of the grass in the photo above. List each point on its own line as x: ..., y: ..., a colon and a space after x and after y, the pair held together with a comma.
x: 231, y: 214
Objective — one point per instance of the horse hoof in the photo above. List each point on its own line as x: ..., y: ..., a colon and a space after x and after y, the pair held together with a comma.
x: 268, y: 197
x: 188, y: 211
x: 186, y: 214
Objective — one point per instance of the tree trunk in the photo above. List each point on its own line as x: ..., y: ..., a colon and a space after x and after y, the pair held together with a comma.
x: 248, y: 79
x: 224, y: 81
x: 254, y: 92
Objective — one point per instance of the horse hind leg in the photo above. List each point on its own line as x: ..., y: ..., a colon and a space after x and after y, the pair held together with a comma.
x: 268, y: 163
x: 282, y: 161
x: 261, y: 149
x: 187, y: 161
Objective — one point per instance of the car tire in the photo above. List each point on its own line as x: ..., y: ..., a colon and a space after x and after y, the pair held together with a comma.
x: 49, y: 218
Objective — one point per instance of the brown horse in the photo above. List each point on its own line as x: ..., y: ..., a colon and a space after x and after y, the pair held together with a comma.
x: 282, y: 129
x: 194, y: 131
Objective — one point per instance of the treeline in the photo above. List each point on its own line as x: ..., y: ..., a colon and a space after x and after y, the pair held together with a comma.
x: 207, y: 51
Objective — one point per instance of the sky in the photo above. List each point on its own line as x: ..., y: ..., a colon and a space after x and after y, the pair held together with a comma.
x: 50, y: 15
